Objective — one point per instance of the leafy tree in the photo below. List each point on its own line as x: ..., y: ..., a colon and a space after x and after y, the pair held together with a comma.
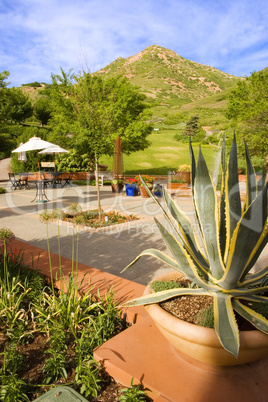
x: 96, y: 111
x: 6, y: 143
x: 62, y: 111
x: 15, y: 106
x: 20, y: 105
x: 248, y: 111
x: 42, y: 110
x: 3, y: 76
x: 105, y: 109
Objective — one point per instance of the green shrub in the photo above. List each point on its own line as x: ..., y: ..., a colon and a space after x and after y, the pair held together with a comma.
x: 158, y: 286
x: 34, y: 84
x: 74, y: 162
x: 135, y: 393
x: 205, y: 317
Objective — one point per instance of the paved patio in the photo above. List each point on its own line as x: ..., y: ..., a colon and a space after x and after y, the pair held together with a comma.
x: 109, y: 250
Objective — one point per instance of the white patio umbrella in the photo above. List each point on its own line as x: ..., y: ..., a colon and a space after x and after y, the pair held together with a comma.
x: 55, y: 149
x: 33, y: 144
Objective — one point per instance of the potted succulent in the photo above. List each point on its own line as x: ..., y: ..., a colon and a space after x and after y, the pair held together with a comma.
x: 117, y: 185
x: 130, y: 185
x: 233, y: 237
x: 145, y: 182
x: 184, y: 173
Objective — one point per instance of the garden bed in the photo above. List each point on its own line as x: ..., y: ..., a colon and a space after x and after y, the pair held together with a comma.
x: 48, y: 335
x: 91, y: 218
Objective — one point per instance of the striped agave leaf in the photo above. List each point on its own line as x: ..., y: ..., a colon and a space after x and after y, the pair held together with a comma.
x: 233, y: 237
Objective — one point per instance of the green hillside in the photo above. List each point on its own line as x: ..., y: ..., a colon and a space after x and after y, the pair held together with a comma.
x: 167, y: 78
x: 176, y: 88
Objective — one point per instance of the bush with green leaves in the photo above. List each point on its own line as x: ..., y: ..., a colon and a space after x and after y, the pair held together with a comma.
x: 88, y: 377
x: 135, y: 393
x: 74, y: 162
x: 73, y: 320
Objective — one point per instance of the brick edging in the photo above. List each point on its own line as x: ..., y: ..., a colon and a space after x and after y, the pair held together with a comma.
x: 100, y: 281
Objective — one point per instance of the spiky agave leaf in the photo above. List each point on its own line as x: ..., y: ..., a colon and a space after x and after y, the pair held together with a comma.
x: 225, y: 323
x: 251, y: 180
x: 188, y: 236
x: 233, y: 199
x: 165, y: 295
x: 256, y: 319
x: 158, y: 255
x: 182, y: 230
x: 256, y: 278
x: 222, y: 216
x: 245, y: 241
x: 207, y: 209
x: 180, y: 255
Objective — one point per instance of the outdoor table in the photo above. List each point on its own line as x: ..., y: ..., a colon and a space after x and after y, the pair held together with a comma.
x: 67, y: 177
x: 41, y: 190
x: 24, y: 180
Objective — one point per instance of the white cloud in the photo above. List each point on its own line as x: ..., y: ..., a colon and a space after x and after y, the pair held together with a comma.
x: 39, y: 37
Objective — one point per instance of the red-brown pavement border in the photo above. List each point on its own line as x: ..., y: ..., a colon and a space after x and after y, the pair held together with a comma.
x: 100, y: 281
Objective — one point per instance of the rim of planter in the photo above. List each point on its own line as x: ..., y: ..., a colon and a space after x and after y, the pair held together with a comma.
x: 192, y: 334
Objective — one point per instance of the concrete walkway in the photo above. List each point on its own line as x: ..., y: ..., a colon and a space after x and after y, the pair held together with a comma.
x: 109, y: 250
x: 4, y: 169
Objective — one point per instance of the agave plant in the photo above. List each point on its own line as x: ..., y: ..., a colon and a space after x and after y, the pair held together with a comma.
x: 232, y: 237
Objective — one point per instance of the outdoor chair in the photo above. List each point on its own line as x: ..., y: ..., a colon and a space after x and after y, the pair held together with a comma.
x: 49, y: 179
x: 57, y: 179
x: 24, y: 180
x: 67, y: 179
x: 15, y: 183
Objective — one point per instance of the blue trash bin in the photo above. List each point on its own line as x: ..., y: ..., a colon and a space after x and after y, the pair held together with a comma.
x: 130, y: 190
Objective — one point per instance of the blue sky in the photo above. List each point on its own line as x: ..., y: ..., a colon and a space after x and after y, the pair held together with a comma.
x: 38, y: 37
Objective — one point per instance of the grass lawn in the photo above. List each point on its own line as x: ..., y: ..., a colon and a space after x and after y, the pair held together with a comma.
x: 165, y: 154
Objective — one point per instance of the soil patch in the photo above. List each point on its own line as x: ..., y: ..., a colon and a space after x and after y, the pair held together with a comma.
x: 187, y: 308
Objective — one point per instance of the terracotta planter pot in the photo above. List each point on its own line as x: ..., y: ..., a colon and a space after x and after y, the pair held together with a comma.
x: 177, y: 186
x: 117, y: 188
x: 202, y: 343
x: 183, y: 175
x: 143, y: 191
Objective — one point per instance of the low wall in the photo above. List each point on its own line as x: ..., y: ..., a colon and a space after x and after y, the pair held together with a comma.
x: 75, y: 175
